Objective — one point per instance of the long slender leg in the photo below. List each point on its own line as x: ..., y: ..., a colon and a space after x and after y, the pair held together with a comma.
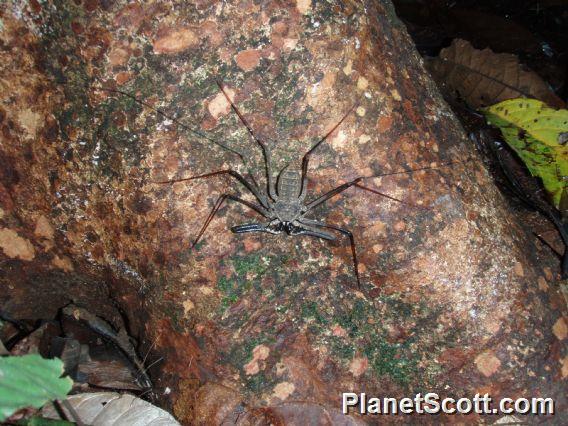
x: 355, y: 182
x: 265, y: 149
x: 260, y: 197
x: 311, y: 232
x: 418, y: 169
x: 175, y: 120
x: 249, y: 227
x: 382, y: 194
x: 183, y: 126
x: 323, y: 198
x: 216, y: 208
x: 346, y: 232
x: 306, y: 157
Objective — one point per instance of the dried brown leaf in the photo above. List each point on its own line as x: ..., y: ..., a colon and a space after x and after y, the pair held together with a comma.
x: 484, y: 78
x: 112, y: 408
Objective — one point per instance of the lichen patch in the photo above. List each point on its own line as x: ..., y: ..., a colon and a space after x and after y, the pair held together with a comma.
x: 395, y: 95
x: 188, y: 306
x: 338, y: 140
x: 362, y: 83
x: 219, y: 106
x: 30, y: 121
x: 348, y: 69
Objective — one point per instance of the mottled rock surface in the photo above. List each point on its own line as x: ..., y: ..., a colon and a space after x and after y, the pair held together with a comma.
x: 455, y: 298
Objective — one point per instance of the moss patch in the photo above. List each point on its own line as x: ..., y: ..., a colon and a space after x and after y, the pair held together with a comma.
x: 247, y: 269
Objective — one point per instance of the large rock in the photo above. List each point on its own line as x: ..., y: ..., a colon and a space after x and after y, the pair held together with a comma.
x: 453, y: 297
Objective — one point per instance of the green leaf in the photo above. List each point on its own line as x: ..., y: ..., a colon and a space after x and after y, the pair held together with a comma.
x: 30, y: 380
x: 40, y: 421
x: 536, y: 133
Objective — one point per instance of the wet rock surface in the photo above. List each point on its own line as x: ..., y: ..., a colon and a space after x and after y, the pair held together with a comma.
x: 454, y: 299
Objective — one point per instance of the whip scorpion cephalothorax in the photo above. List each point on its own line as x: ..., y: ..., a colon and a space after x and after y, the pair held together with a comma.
x: 283, y: 203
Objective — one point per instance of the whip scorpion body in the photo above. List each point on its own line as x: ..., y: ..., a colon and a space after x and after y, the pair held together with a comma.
x: 283, y: 203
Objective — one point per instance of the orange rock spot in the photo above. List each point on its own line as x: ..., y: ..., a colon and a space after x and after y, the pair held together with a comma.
x: 188, y: 305
x: 358, y: 366
x: 338, y: 331
x: 328, y: 79
x: 130, y: 16
x: 43, y: 228
x: 15, y: 246
x: 248, y: 60
x: 118, y: 56
x: 210, y: 29
x: 261, y: 352
x: 303, y: 6
x: 384, y: 123
x: 560, y: 329
x: 123, y: 77
x: 63, y: 263
x: 289, y: 44
x: 377, y: 248
x: 252, y: 368
x: 399, y: 226
x: 251, y: 244
x: 208, y: 123
x: 542, y: 284
x: 378, y: 228
x: 487, y: 363
x: 518, y: 269
x: 280, y: 28
x: 176, y: 41
x: 283, y: 390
